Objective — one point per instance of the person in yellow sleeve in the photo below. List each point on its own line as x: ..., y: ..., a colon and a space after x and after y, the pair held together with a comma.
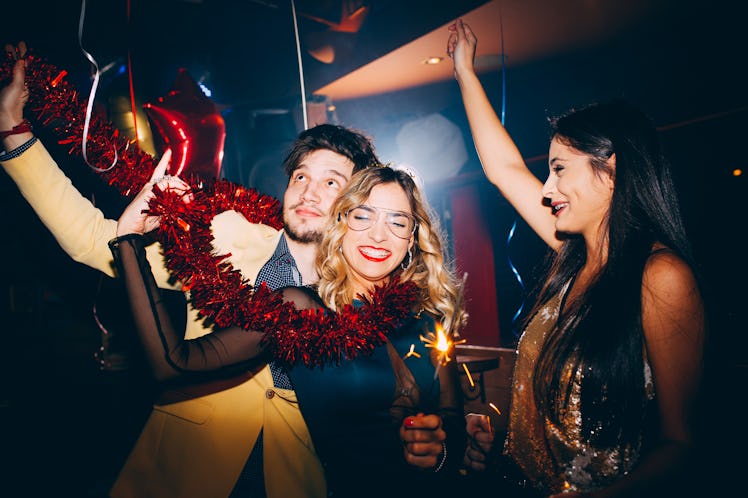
x: 246, y: 438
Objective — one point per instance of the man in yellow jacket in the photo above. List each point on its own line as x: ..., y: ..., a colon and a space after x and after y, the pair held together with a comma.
x: 211, y: 445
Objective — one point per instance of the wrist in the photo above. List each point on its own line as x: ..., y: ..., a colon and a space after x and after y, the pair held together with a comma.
x: 443, y: 458
x: 15, y: 134
x: 124, y: 230
x: 14, y: 127
x: 466, y: 75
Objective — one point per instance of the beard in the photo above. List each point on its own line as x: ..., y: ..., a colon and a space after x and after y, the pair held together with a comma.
x: 301, y: 235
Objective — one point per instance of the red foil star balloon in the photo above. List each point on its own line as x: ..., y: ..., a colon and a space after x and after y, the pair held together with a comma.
x: 189, y: 124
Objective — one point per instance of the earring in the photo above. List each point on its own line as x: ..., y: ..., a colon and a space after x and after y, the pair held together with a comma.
x: 409, y: 260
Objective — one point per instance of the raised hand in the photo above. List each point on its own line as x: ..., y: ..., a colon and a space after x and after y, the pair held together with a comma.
x: 13, y: 96
x: 135, y: 217
x: 461, y: 46
x: 423, y: 438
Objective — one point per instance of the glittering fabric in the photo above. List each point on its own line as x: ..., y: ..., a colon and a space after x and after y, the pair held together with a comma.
x: 558, y: 458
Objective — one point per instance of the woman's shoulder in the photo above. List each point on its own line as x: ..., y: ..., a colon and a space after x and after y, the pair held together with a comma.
x: 671, y: 298
x: 665, y: 269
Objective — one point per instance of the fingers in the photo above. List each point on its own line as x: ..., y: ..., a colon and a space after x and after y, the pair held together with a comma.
x: 469, y: 35
x: 484, y: 439
x: 422, y: 429
x: 19, y: 71
x: 19, y: 77
x: 464, y: 32
x: 423, y: 448
x: 17, y: 52
x: 479, y: 430
x: 421, y: 421
x: 160, y: 170
x: 476, y: 422
x: 475, y: 460
x: 477, y: 454
x: 19, y: 67
x: 451, y: 42
x: 163, y: 181
x: 419, y: 436
x: 423, y: 461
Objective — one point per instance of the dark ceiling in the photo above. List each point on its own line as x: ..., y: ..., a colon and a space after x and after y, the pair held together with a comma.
x: 681, y: 61
x: 245, y: 51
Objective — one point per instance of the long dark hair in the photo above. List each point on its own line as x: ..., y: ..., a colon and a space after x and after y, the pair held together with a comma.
x: 602, y: 330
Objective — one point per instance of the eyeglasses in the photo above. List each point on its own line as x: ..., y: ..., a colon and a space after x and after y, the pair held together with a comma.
x: 401, y: 224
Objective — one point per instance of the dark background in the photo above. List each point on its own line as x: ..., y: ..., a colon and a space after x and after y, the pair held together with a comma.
x: 67, y: 423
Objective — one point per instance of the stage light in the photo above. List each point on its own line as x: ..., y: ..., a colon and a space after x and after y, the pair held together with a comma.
x: 433, y: 145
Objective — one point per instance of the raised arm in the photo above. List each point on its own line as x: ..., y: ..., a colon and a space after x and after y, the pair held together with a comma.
x: 13, y: 98
x: 81, y: 229
x: 501, y: 160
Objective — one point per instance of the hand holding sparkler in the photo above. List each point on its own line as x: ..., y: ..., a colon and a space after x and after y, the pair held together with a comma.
x: 480, y: 441
x: 424, y: 441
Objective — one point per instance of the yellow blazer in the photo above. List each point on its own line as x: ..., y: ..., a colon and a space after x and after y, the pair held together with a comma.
x: 198, y: 447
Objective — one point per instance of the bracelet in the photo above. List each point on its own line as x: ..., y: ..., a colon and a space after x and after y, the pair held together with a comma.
x: 22, y: 127
x: 444, y: 458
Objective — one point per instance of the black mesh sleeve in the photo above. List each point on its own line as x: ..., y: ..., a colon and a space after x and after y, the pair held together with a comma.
x: 222, y: 353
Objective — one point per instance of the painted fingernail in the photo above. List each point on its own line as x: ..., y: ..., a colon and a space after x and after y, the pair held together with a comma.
x: 409, y: 422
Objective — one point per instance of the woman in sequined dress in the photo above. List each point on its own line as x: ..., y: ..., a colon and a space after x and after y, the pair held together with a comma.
x: 610, y: 361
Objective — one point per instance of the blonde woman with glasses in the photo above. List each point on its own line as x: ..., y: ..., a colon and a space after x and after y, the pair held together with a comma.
x: 388, y: 423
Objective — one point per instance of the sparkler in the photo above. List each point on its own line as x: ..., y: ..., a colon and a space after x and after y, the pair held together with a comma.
x: 442, y: 344
x: 469, y: 377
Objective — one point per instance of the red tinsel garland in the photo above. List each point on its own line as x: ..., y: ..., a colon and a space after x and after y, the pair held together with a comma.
x: 55, y: 103
x: 220, y: 293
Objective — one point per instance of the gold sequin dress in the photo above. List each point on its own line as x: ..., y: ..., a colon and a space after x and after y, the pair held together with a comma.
x: 556, y: 458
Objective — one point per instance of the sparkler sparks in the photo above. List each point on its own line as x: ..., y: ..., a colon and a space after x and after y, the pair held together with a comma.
x: 495, y: 408
x: 441, y: 343
x: 412, y: 352
x: 469, y: 377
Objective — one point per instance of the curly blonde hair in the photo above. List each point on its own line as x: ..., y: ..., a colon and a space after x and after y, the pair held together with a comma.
x: 440, y: 292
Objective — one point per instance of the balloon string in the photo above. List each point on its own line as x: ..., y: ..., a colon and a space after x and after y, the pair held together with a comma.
x: 516, y: 275
x: 514, y: 224
x: 133, y: 107
x: 301, y: 68
x: 92, y: 95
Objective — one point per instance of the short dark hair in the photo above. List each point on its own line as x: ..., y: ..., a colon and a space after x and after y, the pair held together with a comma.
x: 348, y: 142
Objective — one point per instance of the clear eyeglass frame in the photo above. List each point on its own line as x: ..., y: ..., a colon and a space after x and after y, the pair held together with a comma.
x: 363, y: 217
